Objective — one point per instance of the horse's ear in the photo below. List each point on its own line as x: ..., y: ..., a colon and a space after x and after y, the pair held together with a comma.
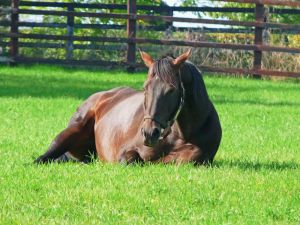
x: 147, y: 59
x: 182, y: 58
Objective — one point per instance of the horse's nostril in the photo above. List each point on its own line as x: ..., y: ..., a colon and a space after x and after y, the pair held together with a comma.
x: 156, y: 133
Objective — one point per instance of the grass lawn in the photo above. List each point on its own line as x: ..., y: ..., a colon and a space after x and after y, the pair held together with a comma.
x: 255, y: 178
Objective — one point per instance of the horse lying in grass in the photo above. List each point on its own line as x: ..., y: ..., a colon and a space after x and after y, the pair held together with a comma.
x: 171, y: 121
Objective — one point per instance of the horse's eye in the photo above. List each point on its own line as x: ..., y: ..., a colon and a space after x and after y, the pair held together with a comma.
x: 171, y: 90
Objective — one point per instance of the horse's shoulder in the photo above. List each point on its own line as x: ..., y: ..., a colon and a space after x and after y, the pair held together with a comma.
x: 108, y: 99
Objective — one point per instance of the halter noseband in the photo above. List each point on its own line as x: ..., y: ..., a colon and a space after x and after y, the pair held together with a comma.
x: 167, y: 127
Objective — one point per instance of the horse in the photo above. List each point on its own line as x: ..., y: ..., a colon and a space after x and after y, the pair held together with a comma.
x: 171, y: 121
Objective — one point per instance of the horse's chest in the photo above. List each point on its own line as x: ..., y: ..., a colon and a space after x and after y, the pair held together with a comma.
x: 118, y: 126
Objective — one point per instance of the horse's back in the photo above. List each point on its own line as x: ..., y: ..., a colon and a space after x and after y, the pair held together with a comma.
x: 87, y: 108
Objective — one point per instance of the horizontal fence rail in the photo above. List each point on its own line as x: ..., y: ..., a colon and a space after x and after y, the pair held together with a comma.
x: 156, y: 42
x: 295, y: 3
x: 153, y: 14
x: 154, y: 28
x: 118, y: 63
x: 157, y: 9
x: 162, y: 18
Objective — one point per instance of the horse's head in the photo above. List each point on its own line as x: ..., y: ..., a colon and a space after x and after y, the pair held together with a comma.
x: 164, y: 96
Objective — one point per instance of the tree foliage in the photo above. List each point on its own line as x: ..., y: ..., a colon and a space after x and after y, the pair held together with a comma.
x: 279, y: 17
x: 87, y: 53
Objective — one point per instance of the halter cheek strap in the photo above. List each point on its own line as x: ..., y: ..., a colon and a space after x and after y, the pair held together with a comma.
x: 167, y: 127
x: 170, y: 123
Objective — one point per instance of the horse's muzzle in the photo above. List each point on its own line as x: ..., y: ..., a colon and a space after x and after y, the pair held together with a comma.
x: 151, y: 136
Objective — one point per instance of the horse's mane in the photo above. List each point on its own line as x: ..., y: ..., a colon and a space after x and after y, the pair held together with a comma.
x: 164, y: 70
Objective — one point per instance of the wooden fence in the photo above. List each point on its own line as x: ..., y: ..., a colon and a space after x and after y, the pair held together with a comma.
x: 163, y: 14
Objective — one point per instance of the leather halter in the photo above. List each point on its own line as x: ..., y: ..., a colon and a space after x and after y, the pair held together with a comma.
x: 167, y: 127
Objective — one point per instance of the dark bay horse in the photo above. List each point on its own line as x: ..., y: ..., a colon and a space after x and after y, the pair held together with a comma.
x: 171, y: 121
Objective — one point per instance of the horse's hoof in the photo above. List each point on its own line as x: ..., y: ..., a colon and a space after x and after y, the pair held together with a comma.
x: 39, y: 160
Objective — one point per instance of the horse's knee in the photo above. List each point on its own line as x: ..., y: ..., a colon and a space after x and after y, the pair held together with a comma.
x: 187, y: 153
x: 191, y: 155
x: 130, y: 157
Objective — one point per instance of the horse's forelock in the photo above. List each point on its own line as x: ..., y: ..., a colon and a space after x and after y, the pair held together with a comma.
x: 165, y: 71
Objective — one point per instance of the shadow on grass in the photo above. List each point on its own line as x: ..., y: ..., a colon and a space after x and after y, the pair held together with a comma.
x: 250, y: 94
x: 239, y: 164
x: 220, y: 100
x: 256, y: 166
x: 254, y: 87
x: 81, y: 87
x: 53, y: 87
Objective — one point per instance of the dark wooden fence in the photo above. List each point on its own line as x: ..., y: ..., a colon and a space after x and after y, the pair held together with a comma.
x: 164, y: 14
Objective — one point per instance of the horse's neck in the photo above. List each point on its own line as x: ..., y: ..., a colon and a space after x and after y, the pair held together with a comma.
x: 197, y: 105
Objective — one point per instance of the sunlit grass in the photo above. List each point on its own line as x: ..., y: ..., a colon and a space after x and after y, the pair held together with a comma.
x: 254, y: 180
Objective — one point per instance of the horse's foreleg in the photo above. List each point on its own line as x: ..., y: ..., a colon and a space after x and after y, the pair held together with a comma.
x: 130, y: 156
x: 183, y: 154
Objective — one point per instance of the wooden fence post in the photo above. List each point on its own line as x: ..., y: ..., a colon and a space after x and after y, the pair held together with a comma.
x: 70, y: 33
x: 169, y: 12
x: 13, y: 45
x: 131, y: 33
x: 258, y: 39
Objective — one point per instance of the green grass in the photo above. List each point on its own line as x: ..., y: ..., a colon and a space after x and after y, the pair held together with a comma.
x: 255, y: 178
